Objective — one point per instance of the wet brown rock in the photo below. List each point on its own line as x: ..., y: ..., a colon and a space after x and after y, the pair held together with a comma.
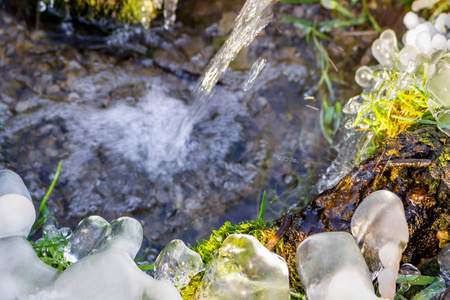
x: 415, y: 167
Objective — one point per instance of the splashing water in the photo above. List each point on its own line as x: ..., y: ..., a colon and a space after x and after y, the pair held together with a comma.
x: 170, y: 7
x: 253, y: 17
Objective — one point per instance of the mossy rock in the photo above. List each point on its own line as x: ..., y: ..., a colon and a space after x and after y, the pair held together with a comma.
x: 95, y: 16
x: 414, y: 165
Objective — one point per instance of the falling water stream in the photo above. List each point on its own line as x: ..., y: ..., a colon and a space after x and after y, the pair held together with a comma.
x: 253, y: 17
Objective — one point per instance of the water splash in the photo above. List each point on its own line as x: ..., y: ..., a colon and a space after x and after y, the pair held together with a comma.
x: 253, y: 17
x: 170, y: 6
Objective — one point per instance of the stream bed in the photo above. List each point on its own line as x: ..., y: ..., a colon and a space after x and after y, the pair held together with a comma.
x: 107, y: 108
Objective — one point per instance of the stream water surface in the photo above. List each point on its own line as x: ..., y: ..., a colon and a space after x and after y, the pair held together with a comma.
x: 109, y: 109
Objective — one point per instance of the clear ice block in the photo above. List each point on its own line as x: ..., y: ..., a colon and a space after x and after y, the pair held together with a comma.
x: 109, y: 271
x: 381, y: 231
x: 244, y: 269
x: 177, y: 264
x: 331, y: 267
x: 385, y: 49
x: 84, y: 238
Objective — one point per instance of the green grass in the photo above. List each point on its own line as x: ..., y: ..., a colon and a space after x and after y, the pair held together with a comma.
x: 50, y: 247
x: 316, y: 32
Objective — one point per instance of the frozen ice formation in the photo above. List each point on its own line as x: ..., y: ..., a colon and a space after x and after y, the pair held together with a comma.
x: 381, y: 231
x: 84, y: 238
x: 385, y: 49
x: 177, y: 264
x: 423, y: 61
x: 11, y: 183
x: 22, y: 273
x: 242, y: 268
x: 103, y: 254
x: 108, y: 271
x: 331, y: 267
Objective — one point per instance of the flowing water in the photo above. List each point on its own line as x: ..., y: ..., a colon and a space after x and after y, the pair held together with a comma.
x: 253, y: 17
x: 109, y: 114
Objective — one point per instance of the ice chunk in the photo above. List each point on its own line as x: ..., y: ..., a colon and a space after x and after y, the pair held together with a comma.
x: 331, y: 267
x: 365, y: 78
x: 444, y: 262
x: 177, y: 264
x: 423, y: 43
x: 411, y: 20
x: 438, y: 88
x: 12, y: 183
x: 442, y: 23
x: 84, y: 238
x: 109, y: 272
x: 22, y: 273
x: 439, y: 42
x: 380, y: 229
x: 17, y: 215
x: 244, y: 269
x: 407, y: 55
x: 385, y: 49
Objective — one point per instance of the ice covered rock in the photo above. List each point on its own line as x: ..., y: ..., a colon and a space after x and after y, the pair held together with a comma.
x: 22, y: 273
x: 244, y: 269
x: 12, y: 183
x: 381, y: 231
x: 331, y: 267
x: 109, y: 271
x: 17, y: 215
x: 177, y: 264
x: 84, y: 238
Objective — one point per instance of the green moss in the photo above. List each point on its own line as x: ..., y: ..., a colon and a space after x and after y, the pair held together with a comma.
x: 50, y: 249
x: 259, y: 229
x: 123, y: 11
